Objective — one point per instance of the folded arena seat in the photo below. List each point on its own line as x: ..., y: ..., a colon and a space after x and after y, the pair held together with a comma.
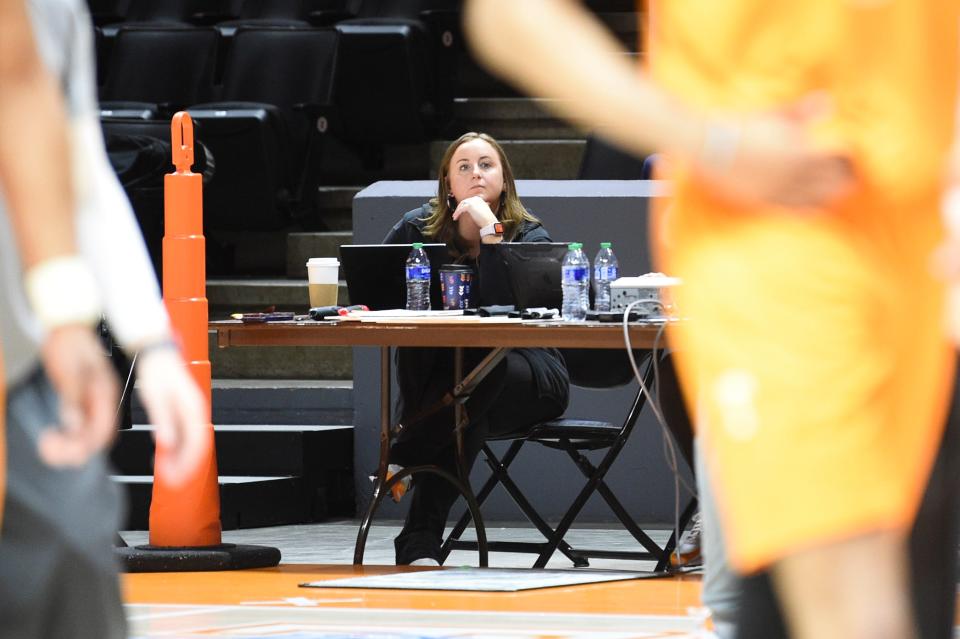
x: 396, y: 72
x: 264, y: 13
x: 264, y: 127
x: 155, y: 71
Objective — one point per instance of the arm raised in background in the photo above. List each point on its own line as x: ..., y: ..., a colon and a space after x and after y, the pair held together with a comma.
x: 557, y: 49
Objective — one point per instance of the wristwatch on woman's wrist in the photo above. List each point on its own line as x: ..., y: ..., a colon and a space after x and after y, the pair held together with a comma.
x: 494, y: 228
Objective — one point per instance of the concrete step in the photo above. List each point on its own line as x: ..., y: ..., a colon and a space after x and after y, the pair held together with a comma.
x: 334, y: 206
x: 248, y: 252
x: 533, y: 159
x: 228, y: 296
x: 302, y: 246
x: 307, y: 401
x: 281, y: 362
x: 236, y: 295
x: 245, y: 501
x: 511, y: 118
x: 251, y: 449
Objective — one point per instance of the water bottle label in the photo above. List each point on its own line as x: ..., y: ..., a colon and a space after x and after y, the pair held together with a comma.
x: 574, y: 274
x: 418, y: 272
x: 608, y: 273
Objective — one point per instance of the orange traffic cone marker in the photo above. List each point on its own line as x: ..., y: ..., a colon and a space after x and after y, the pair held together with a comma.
x: 185, y: 520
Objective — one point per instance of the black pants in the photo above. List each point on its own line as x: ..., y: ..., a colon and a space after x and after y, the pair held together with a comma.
x: 505, y: 402
x: 933, y: 556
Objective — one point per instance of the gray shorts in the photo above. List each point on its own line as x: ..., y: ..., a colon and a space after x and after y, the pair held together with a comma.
x: 59, y: 575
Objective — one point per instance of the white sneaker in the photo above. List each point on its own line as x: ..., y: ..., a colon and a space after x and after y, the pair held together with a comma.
x: 425, y: 561
x: 687, y: 553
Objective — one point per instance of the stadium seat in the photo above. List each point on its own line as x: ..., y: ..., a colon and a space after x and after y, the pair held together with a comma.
x: 395, y: 73
x: 265, y: 13
x: 111, y: 15
x: 154, y: 72
x: 265, y: 124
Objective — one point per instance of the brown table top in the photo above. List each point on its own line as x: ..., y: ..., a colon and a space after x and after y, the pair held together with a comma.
x: 435, y: 333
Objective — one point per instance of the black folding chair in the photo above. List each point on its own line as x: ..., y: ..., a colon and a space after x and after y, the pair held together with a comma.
x: 591, y: 369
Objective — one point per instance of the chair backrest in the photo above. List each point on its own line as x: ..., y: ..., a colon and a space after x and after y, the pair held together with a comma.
x: 599, y: 367
x: 161, y: 65
x: 280, y: 66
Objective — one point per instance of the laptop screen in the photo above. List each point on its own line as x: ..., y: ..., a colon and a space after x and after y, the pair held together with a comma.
x: 376, y: 277
x: 524, y: 274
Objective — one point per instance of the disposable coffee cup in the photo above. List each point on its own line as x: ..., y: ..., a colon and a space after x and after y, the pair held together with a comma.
x: 456, y: 282
x: 323, y: 280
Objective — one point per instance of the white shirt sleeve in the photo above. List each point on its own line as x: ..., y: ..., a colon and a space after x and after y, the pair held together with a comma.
x: 109, y: 238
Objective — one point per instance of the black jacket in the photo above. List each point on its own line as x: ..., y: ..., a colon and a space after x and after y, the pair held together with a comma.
x: 415, y: 366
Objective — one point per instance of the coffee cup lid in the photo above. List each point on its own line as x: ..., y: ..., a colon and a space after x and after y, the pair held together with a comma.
x: 323, y: 261
x: 456, y: 267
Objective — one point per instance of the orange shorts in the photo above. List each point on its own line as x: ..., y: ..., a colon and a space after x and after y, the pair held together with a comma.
x: 817, y: 368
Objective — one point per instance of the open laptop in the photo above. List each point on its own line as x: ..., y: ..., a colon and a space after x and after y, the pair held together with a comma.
x: 524, y: 274
x: 376, y: 277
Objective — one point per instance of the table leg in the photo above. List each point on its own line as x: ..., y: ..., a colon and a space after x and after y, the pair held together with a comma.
x: 379, y: 484
x: 460, y: 420
x: 462, y: 390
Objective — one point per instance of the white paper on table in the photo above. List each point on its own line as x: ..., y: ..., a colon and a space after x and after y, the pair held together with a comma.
x: 401, y: 315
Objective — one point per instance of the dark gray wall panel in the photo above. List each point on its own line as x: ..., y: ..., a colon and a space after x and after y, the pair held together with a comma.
x: 586, y: 211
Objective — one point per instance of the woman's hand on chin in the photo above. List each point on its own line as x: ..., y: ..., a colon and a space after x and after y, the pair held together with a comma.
x: 477, y: 210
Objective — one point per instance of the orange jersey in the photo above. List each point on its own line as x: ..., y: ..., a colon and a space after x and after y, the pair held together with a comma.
x: 815, y: 357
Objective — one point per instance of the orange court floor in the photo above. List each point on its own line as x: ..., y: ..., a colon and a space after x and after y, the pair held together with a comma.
x: 270, y: 603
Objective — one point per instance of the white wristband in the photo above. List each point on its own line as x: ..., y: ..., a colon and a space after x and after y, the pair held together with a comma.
x: 62, y: 291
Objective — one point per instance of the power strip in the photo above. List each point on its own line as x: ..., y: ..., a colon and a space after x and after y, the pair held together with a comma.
x: 627, y: 290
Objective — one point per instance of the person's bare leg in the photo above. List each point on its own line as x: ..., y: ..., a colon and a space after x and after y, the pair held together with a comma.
x: 851, y: 589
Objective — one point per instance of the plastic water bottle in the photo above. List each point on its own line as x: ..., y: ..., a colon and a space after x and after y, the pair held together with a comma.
x: 605, y: 270
x: 418, y: 279
x: 576, y: 284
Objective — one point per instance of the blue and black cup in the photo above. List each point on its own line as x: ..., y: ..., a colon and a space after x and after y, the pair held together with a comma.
x: 456, y: 282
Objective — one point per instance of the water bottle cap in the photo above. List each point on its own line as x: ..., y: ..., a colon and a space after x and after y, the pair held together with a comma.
x: 604, y: 245
x: 418, y: 245
x: 573, y: 246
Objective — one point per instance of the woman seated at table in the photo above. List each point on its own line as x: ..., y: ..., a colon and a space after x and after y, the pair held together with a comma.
x: 476, y: 203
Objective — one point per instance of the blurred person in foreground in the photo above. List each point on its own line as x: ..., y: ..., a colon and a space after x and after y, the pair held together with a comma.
x: 68, y: 239
x: 809, y: 141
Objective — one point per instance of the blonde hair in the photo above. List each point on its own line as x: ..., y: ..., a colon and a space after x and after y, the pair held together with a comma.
x: 511, y: 212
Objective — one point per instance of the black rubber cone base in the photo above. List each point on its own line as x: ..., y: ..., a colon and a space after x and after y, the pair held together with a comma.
x: 196, y: 558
